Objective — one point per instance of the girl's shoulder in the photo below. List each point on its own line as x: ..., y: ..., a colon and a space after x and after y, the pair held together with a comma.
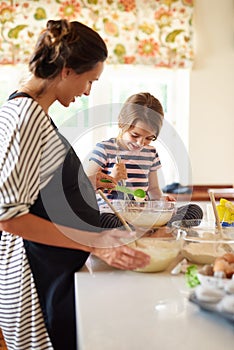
x: 110, y: 143
x: 149, y: 149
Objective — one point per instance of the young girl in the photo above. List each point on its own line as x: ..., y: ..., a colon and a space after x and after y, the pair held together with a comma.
x: 131, y: 159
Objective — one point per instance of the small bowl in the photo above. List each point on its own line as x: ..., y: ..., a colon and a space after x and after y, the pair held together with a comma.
x: 147, y: 214
x: 202, y: 242
x: 162, y: 252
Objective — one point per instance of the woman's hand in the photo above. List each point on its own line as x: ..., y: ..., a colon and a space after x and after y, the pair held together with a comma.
x: 111, y: 249
x: 124, y: 257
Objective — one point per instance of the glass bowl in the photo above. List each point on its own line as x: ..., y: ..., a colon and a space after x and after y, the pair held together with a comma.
x: 147, y: 214
x: 162, y: 252
x: 202, y: 241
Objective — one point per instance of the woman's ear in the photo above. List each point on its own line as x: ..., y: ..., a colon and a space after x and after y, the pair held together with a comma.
x: 65, y: 73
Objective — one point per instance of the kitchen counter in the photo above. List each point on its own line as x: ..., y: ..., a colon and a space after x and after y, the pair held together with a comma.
x: 124, y: 310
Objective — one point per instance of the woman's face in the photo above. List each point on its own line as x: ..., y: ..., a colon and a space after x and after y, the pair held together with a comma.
x: 72, y: 85
x: 137, y: 136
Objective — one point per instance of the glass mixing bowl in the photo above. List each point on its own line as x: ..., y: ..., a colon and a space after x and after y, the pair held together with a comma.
x: 147, y: 214
x: 162, y: 252
x: 202, y: 241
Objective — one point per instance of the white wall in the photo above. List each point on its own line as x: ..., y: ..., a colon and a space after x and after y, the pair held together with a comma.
x: 211, y: 124
x: 211, y: 140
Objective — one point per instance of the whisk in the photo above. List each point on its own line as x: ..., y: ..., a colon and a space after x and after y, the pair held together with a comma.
x: 122, y: 182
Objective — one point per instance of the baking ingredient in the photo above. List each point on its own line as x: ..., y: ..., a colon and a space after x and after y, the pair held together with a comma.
x: 207, y: 270
x: 162, y: 253
x: 204, y: 250
x: 191, y: 276
x: 225, y: 264
x: 199, y: 253
x: 146, y: 218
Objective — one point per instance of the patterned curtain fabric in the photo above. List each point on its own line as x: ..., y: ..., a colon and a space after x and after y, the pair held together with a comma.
x: 150, y: 32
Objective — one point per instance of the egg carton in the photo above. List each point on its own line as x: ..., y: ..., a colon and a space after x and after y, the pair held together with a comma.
x: 213, y: 307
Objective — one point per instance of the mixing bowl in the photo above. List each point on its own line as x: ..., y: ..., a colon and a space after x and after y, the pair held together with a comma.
x: 162, y: 252
x: 202, y: 242
x: 147, y: 214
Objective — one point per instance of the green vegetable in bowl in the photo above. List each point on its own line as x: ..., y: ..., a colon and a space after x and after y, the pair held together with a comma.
x: 191, y: 276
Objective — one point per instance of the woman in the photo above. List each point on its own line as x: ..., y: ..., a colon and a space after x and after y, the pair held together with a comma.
x: 49, y: 216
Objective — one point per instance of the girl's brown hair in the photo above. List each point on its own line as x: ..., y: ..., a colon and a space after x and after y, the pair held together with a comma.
x: 66, y: 44
x: 141, y: 107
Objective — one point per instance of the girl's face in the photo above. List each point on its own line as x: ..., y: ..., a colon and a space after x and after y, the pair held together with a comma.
x: 137, y: 136
x: 72, y: 85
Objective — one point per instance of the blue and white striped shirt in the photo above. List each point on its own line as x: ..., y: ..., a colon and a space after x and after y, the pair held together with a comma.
x: 138, y: 163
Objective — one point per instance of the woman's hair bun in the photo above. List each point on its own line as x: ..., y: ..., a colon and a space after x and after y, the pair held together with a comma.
x: 58, y: 29
x: 66, y: 44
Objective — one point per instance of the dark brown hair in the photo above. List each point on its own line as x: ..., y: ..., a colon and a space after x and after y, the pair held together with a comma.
x: 66, y: 44
x: 141, y: 107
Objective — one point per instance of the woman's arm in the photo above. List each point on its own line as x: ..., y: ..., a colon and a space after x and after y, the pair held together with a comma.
x: 36, y: 229
x: 106, y: 245
x: 91, y: 171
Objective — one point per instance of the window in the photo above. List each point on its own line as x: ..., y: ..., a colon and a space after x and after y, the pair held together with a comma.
x: 116, y: 84
x: 94, y: 118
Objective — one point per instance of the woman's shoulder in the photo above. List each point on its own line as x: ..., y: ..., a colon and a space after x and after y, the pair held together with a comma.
x: 23, y: 112
x: 22, y: 107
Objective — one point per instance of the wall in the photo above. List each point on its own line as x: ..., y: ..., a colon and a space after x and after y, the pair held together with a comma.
x: 211, y: 125
x: 211, y: 140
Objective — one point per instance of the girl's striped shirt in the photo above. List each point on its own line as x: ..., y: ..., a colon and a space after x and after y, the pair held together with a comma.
x: 138, y: 163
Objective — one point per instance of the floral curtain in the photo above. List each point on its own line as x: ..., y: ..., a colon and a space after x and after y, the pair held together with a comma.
x: 150, y: 32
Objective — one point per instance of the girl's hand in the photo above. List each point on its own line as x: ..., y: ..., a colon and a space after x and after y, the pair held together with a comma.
x: 119, y: 172
x: 105, y: 185
x: 169, y: 198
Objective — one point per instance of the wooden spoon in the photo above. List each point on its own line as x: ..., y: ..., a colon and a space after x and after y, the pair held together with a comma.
x: 225, y: 246
x: 115, y: 211
x: 212, y: 199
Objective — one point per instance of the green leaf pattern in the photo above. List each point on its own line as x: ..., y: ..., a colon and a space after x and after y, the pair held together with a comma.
x: 14, y: 32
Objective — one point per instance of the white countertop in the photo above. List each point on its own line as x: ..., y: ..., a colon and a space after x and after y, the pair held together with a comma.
x: 124, y: 310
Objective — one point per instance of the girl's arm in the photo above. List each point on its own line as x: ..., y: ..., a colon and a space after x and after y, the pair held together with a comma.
x: 105, y: 245
x: 154, y: 191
